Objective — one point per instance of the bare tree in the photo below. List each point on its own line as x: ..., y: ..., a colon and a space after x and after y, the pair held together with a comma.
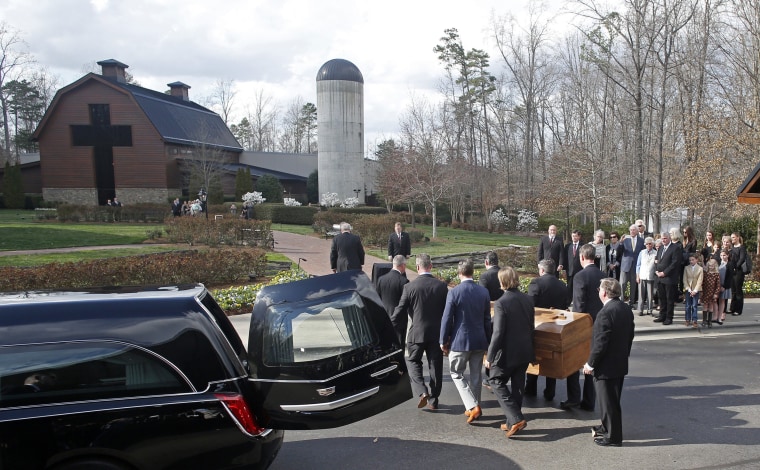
x: 223, y: 97
x: 428, y: 174
x: 13, y: 61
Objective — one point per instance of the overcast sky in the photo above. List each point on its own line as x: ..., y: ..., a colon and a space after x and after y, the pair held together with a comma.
x: 272, y: 45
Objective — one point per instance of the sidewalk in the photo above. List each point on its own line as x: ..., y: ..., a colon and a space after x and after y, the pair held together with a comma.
x: 314, y: 254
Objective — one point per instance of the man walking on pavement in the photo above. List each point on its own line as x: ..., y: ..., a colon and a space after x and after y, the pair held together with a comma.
x: 423, y: 300
x: 465, y: 335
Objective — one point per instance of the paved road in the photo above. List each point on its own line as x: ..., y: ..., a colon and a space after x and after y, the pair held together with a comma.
x: 689, y: 403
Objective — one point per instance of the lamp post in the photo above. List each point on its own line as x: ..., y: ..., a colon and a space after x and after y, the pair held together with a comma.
x: 202, y: 195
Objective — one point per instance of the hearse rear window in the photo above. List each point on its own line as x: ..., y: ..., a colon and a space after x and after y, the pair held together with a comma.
x: 316, y: 329
x: 74, y: 371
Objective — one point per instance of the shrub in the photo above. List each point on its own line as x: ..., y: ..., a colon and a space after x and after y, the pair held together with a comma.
x: 211, y: 267
x: 242, y: 298
x: 141, y: 212
x: 233, y: 231
x: 281, y: 214
x: 416, y: 235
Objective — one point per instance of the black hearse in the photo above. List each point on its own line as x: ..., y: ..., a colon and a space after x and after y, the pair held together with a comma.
x: 157, y: 378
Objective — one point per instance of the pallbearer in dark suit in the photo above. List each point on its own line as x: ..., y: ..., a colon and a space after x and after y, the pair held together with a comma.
x: 547, y: 292
x: 423, y: 300
x: 347, y: 251
x: 585, y: 300
x: 390, y: 286
x: 608, y: 362
x: 490, y: 277
x: 511, y: 349
x: 551, y: 247
x: 399, y: 243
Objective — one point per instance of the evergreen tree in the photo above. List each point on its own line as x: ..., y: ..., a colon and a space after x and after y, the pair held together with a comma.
x: 312, y: 188
x: 13, y: 187
x: 270, y: 188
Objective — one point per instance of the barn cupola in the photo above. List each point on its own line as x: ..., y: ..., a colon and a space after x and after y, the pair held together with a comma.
x: 114, y: 70
x: 179, y: 90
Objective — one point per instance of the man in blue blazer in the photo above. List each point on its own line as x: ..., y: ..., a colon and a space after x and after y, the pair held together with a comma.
x: 465, y: 334
x: 632, y: 246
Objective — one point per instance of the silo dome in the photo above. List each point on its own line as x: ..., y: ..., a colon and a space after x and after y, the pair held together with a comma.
x: 340, y: 69
x: 340, y: 129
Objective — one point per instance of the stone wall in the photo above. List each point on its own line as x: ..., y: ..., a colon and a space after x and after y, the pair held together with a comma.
x: 138, y: 195
x: 81, y: 196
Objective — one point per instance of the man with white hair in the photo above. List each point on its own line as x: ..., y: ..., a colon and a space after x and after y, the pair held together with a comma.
x: 641, y: 226
x: 347, y: 251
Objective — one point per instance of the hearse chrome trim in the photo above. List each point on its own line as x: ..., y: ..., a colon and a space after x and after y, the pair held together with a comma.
x: 333, y: 405
x: 384, y: 371
x: 304, y: 381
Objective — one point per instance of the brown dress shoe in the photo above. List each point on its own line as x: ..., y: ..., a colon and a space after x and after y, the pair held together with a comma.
x: 518, y: 426
x: 475, y: 413
x: 423, y: 400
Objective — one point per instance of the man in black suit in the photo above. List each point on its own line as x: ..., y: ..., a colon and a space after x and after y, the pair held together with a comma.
x: 667, y: 266
x: 399, y: 243
x: 423, y: 300
x: 547, y: 292
x: 490, y: 277
x: 511, y: 349
x: 176, y: 208
x: 573, y: 259
x: 390, y: 286
x: 347, y: 251
x: 585, y: 300
x: 551, y: 247
x: 608, y: 361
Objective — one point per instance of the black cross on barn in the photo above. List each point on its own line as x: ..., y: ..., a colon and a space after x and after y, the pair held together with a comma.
x: 103, y: 137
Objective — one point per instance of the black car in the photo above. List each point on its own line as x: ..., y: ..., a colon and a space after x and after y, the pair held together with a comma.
x: 157, y: 378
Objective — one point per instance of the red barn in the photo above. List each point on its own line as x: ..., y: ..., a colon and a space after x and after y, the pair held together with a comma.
x: 103, y: 137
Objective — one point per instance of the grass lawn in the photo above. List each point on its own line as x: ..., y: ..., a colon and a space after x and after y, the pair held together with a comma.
x: 20, y: 230
x: 38, y: 235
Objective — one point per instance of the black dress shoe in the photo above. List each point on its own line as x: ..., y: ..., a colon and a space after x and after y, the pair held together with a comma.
x: 585, y: 407
x: 548, y: 397
x: 604, y: 442
x: 658, y: 320
x: 598, y: 431
x: 734, y: 314
x: 667, y: 322
x: 569, y: 404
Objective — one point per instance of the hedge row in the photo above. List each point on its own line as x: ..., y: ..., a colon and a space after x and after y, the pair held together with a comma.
x: 282, y: 214
x: 214, y: 266
x: 230, y: 231
x: 143, y: 212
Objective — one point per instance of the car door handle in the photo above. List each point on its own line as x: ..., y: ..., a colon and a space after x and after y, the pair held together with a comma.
x: 333, y: 405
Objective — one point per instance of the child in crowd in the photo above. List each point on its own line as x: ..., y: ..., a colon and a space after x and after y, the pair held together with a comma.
x: 692, y: 286
x: 710, y: 293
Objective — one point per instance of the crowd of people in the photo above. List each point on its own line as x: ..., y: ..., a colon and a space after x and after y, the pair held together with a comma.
x: 486, y: 327
x: 657, y: 271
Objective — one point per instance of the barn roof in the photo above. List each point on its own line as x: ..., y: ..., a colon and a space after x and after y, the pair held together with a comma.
x: 178, y: 121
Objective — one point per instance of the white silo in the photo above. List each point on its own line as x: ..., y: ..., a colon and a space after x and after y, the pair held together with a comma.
x: 340, y: 129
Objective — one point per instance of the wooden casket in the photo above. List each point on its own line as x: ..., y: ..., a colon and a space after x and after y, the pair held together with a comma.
x: 562, y: 342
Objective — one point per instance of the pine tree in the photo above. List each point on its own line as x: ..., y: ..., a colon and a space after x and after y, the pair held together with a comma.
x: 13, y: 187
